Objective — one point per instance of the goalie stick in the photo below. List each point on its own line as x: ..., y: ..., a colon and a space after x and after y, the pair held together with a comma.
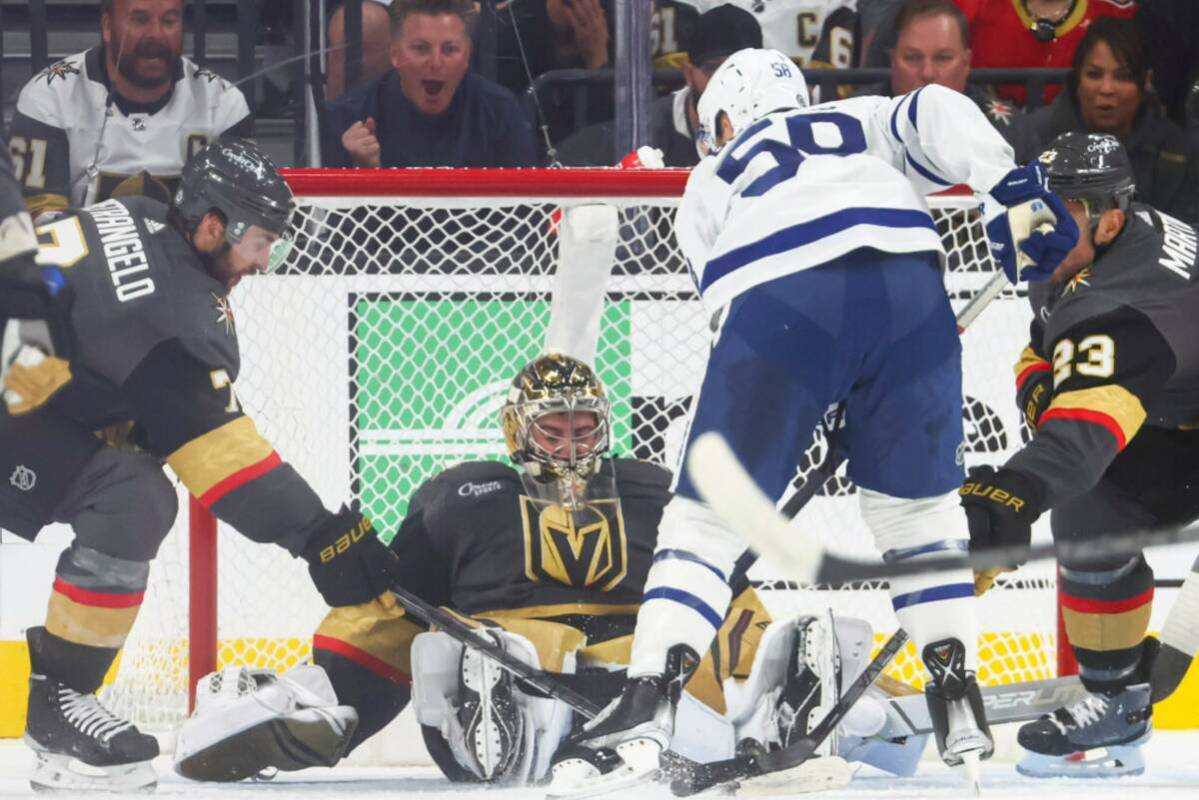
x: 705, y: 776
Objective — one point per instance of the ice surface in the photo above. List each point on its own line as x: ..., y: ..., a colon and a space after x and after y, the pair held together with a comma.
x: 1173, y: 772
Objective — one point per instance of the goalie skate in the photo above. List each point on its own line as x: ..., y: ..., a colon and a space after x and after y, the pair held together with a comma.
x: 250, y: 723
x: 81, y: 745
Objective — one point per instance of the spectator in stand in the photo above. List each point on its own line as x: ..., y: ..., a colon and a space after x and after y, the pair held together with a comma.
x: 430, y: 110
x: 583, y: 35
x: 1171, y: 30
x: 877, y: 31
x: 523, y: 43
x: 819, y: 33
x: 124, y: 115
x: 1108, y: 92
x: 376, y: 47
x: 933, y: 46
x: 1033, y: 33
x: 717, y: 34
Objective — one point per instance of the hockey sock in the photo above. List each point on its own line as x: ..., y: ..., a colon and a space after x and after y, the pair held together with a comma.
x: 92, y: 607
x: 929, y: 607
x: 686, y: 591
x: 1106, y: 613
x: 78, y: 666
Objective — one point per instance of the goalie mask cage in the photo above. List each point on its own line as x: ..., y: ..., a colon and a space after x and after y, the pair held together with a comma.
x: 380, y: 353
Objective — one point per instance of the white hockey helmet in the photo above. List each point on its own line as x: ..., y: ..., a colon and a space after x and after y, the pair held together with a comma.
x: 750, y: 84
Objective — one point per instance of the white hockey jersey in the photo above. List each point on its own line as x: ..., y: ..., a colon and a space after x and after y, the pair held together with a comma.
x: 812, y: 32
x: 797, y: 189
x: 72, y: 146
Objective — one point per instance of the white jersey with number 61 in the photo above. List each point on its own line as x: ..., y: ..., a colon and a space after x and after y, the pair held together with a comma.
x: 798, y: 188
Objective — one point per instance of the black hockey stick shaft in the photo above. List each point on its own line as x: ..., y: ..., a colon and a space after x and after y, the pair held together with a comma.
x: 734, y: 769
x: 834, y: 569
x: 833, y: 461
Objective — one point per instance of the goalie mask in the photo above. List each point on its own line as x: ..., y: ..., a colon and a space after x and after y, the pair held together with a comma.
x: 1092, y: 168
x: 556, y: 426
x: 750, y: 84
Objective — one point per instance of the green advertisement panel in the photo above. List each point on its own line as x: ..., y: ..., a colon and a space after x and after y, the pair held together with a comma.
x: 429, y: 376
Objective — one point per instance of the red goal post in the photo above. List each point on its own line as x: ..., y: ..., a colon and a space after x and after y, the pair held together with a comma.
x: 398, y: 274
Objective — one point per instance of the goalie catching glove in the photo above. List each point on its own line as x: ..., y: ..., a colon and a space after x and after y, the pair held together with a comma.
x: 1033, y: 231
x: 347, y: 562
x: 1001, y: 506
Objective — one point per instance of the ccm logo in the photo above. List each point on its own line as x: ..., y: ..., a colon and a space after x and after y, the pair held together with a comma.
x: 345, y: 541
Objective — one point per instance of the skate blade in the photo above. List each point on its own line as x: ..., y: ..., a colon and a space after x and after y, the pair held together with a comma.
x: 815, y: 775
x: 577, y: 779
x: 56, y: 773
x: 972, y: 767
x: 623, y: 777
x: 1102, y: 762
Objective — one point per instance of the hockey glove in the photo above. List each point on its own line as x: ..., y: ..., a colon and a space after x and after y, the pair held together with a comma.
x: 1033, y: 231
x: 1001, y: 506
x: 347, y: 562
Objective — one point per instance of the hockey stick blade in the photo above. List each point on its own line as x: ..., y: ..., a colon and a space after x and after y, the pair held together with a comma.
x: 736, y: 498
x: 705, y: 776
x: 1180, y: 639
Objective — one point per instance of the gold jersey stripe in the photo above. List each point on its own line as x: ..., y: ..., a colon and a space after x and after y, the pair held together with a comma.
x: 1105, y: 405
x: 208, y: 459
x: 378, y: 628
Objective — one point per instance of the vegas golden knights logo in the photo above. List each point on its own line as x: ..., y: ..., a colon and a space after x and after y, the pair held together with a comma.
x: 586, y: 549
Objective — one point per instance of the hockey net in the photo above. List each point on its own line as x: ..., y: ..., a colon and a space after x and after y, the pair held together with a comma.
x: 380, y: 354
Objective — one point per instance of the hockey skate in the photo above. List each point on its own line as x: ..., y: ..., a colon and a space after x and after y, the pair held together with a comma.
x: 81, y: 745
x: 956, y: 707
x: 622, y: 745
x: 1100, y: 736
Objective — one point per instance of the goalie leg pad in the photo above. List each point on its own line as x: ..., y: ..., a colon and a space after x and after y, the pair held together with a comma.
x: 445, y: 674
x: 247, y: 723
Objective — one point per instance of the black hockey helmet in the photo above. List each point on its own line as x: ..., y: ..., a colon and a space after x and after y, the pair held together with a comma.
x: 237, y: 179
x: 1090, y: 167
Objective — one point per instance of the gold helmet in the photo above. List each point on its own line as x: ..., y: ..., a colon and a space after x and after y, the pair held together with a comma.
x: 541, y: 425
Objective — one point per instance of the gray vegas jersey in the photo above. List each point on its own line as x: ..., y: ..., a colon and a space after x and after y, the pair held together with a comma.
x: 74, y: 141
x: 1119, y: 340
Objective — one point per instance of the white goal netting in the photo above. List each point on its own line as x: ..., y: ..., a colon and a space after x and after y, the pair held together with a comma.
x: 381, y: 352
